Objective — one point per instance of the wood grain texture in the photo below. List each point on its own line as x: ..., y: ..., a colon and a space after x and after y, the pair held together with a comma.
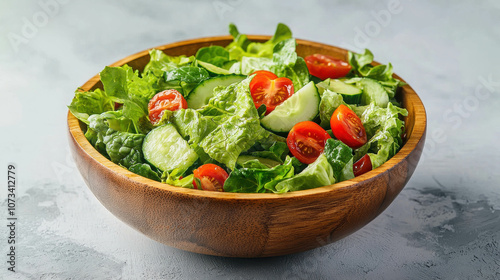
x: 247, y: 225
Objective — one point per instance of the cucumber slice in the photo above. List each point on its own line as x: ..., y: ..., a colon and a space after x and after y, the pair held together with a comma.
x: 373, y: 92
x: 204, y: 91
x: 351, y: 94
x: 165, y: 148
x: 301, y: 106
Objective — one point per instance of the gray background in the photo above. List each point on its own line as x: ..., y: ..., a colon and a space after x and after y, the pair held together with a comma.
x: 443, y: 225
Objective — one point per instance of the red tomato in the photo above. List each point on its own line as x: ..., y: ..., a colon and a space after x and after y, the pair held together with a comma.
x: 324, y: 66
x: 307, y: 141
x: 268, y: 91
x: 269, y: 74
x: 347, y: 127
x: 171, y: 100
x: 362, y: 166
x: 211, y: 177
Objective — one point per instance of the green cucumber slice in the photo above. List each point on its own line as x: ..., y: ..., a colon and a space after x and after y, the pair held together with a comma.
x: 204, y: 91
x: 301, y: 106
x: 165, y: 148
x: 373, y: 92
x: 351, y: 94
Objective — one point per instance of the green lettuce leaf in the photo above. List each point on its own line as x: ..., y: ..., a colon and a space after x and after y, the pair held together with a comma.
x: 284, y: 62
x: 242, y: 46
x: 258, y: 180
x: 276, y: 152
x: 361, y: 67
x: 87, y: 103
x: 330, y: 101
x: 160, y: 62
x: 174, y: 178
x: 384, y: 130
x: 317, y: 174
x: 123, y: 85
x: 228, y: 125
x: 340, y: 157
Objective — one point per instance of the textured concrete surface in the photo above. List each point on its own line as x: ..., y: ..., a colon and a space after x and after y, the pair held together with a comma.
x: 444, y: 225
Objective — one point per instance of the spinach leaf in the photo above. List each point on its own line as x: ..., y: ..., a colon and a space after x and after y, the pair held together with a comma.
x: 258, y: 180
x: 123, y: 148
x: 215, y: 55
x: 186, y: 78
x: 339, y: 155
x: 145, y: 170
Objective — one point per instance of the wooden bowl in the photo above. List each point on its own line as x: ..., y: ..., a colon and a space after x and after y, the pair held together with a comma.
x: 247, y: 225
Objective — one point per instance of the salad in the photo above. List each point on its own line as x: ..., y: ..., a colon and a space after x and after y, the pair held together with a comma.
x: 249, y: 117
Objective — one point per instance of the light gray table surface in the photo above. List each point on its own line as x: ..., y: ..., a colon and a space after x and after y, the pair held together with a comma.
x: 445, y: 224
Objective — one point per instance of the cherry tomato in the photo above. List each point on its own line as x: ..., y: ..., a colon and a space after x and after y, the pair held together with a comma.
x: 269, y: 74
x: 325, y: 66
x: 362, y: 166
x: 211, y: 177
x: 347, y: 127
x: 307, y: 141
x: 268, y: 91
x: 171, y: 100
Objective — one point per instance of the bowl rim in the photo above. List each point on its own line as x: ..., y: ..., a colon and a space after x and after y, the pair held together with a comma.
x: 418, y: 132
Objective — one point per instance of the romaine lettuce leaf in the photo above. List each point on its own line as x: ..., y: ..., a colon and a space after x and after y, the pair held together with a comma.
x: 276, y: 152
x: 174, y: 178
x: 384, y: 130
x: 317, y: 174
x: 284, y: 63
x: 123, y: 85
x: 87, y: 103
x: 228, y: 125
x: 242, y: 46
x: 258, y: 180
x: 160, y: 62
x: 330, y: 101
x: 361, y: 67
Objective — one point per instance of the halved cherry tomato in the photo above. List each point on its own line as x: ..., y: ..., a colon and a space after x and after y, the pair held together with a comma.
x: 211, y: 177
x: 325, y: 66
x: 347, y: 127
x: 118, y: 105
x: 270, y: 91
x: 307, y: 141
x: 362, y: 166
x: 171, y: 100
x: 269, y: 74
